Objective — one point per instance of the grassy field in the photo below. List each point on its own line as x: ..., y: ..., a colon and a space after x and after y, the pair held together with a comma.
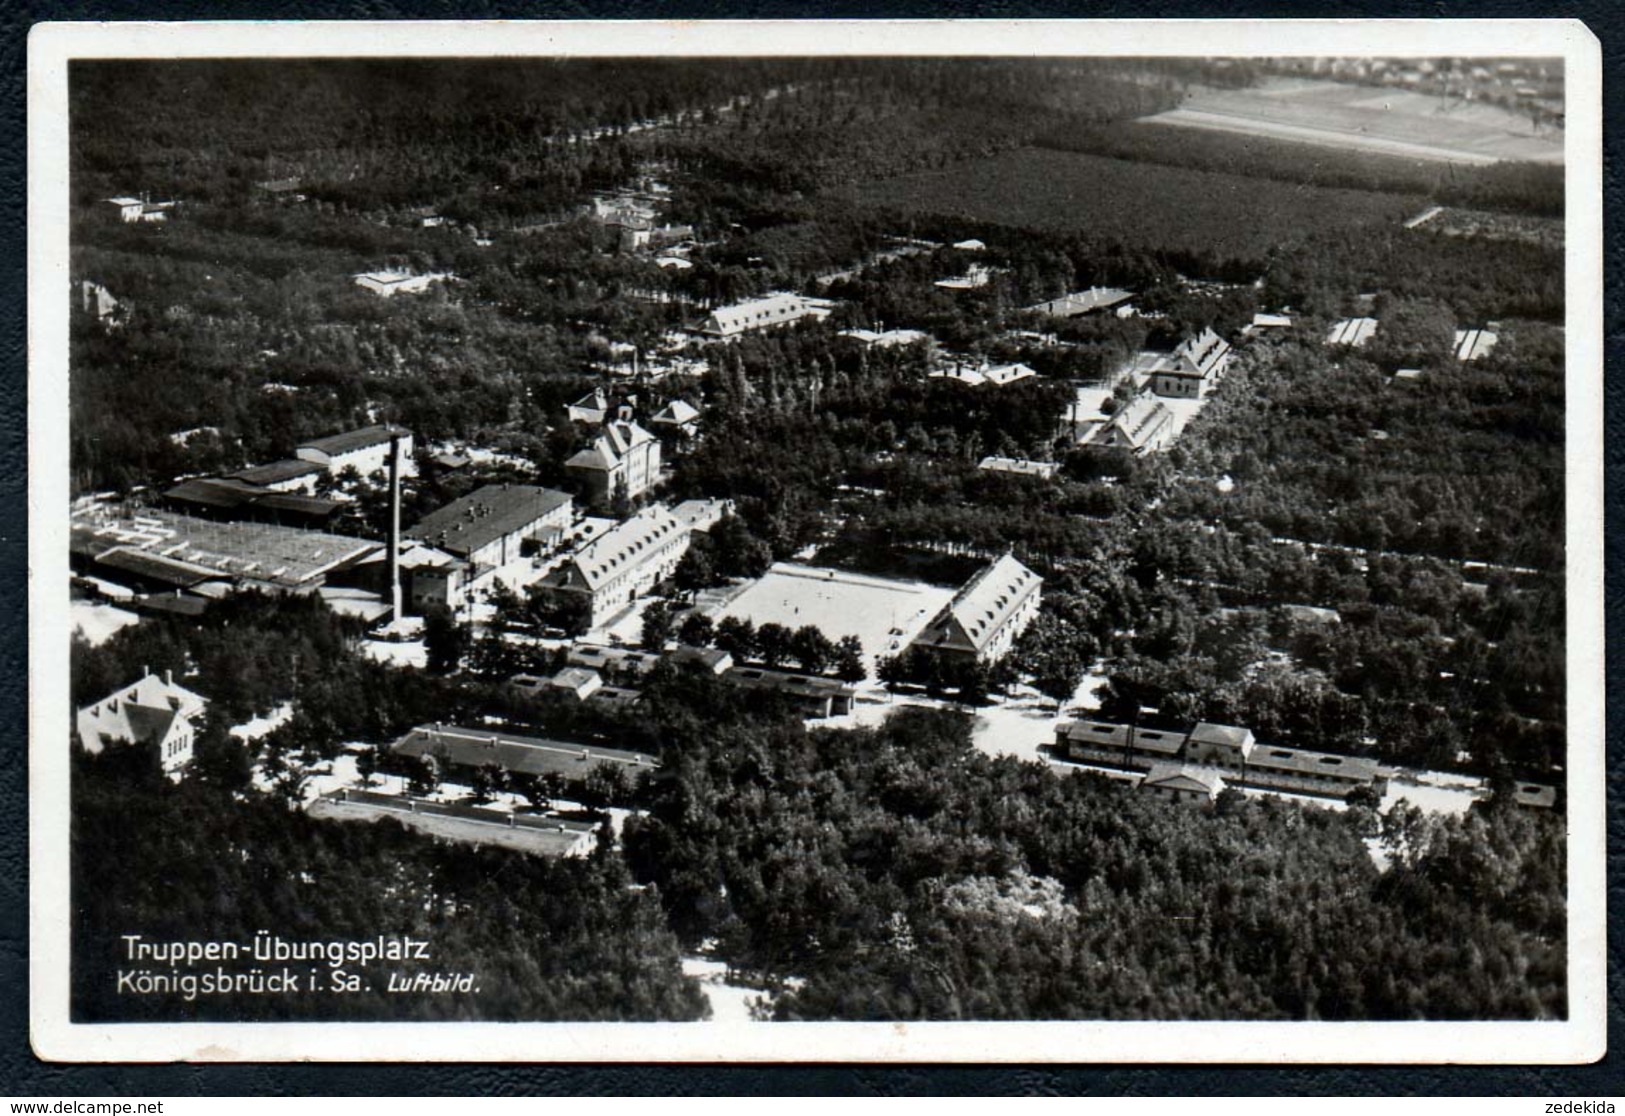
x: 1390, y: 121
x: 1224, y: 216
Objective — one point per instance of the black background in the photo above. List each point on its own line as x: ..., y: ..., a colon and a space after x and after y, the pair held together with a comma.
x: 21, y: 1074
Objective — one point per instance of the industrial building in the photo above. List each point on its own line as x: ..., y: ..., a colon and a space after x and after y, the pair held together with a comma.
x: 365, y: 450
x: 491, y: 526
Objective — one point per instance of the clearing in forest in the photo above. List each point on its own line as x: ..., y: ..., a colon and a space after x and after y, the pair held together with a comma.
x: 885, y: 614
x: 1227, y: 217
x: 1367, y: 118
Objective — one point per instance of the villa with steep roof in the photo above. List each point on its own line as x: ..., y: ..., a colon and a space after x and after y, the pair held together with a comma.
x: 987, y: 615
x: 1142, y: 425
x: 1191, y: 370
x: 623, y: 458
x: 152, y: 710
x: 623, y: 563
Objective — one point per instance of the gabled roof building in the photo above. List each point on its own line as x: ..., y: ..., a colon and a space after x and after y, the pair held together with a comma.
x: 985, y: 617
x: 624, y: 458
x: 489, y: 527
x: 1192, y: 369
x: 764, y: 313
x: 1142, y: 425
x: 152, y: 710
x: 1353, y: 332
x: 1182, y: 782
x: 623, y: 563
x: 366, y: 450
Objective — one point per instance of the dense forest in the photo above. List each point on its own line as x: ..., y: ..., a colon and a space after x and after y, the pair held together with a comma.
x: 848, y: 860
x: 552, y: 939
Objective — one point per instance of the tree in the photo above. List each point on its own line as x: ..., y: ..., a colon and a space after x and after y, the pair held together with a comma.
x: 1055, y: 653
x: 487, y: 779
x: 657, y: 625
x: 697, y: 630
x: 220, y: 759
x: 423, y: 776
x: 739, y: 552
x: 620, y: 503
x: 697, y: 570
x: 366, y: 765
x: 849, y: 660
x: 773, y: 643
x: 444, y: 639
x: 605, y: 784
x: 812, y: 648
x: 737, y: 636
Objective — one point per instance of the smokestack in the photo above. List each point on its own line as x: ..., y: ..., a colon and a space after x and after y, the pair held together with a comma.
x: 395, y: 525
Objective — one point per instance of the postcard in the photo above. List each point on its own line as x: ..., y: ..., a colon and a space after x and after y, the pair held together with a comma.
x: 1008, y: 541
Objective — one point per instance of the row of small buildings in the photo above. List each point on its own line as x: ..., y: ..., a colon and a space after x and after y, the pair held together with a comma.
x: 1216, y: 754
x: 1198, y: 764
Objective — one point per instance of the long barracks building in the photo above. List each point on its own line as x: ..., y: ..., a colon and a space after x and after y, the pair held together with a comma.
x: 1230, y: 750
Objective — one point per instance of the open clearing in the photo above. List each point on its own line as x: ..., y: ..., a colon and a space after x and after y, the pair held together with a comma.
x: 1365, y: 118
x: 1169, y: 209
x: 884, y: 614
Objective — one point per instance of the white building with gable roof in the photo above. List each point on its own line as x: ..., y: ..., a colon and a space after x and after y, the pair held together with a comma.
x: 152, y: 710
x: 987, y: 615
x: 623, y: 563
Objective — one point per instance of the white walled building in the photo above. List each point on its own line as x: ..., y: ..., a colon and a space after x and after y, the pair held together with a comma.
x: 764, y: 313
x: 489, y: 527
x: 625, y: 457
x: 987, y: 615
x: 365, y: 450
x: 624, y: 563
x: 151, y: 711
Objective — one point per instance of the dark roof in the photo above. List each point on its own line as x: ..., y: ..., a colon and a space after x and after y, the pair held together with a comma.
x: 180, y: 606
x: 148, y: 724
x: 802, y: 685
x: 475, y: 747
x: 87, y: 540
x: 485, y: 515
x: 212, y: 492
x: 156, y: 567
x: 298, y: 503
x: 351, y: 440
x: 276, y: 472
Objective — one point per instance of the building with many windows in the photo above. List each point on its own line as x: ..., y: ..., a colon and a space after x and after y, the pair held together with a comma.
x: 1192, y: 369
x: 985, y: 617
x: 490, y: 526
x: 365, y: 450
x: 624, y: 460
x: 623, y: 563
x: 764, y: 313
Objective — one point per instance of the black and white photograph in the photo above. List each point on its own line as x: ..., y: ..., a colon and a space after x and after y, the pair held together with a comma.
x: 818, y: 544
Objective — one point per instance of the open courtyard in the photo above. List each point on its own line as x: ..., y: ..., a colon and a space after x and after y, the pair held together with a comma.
x: 884, y: 614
